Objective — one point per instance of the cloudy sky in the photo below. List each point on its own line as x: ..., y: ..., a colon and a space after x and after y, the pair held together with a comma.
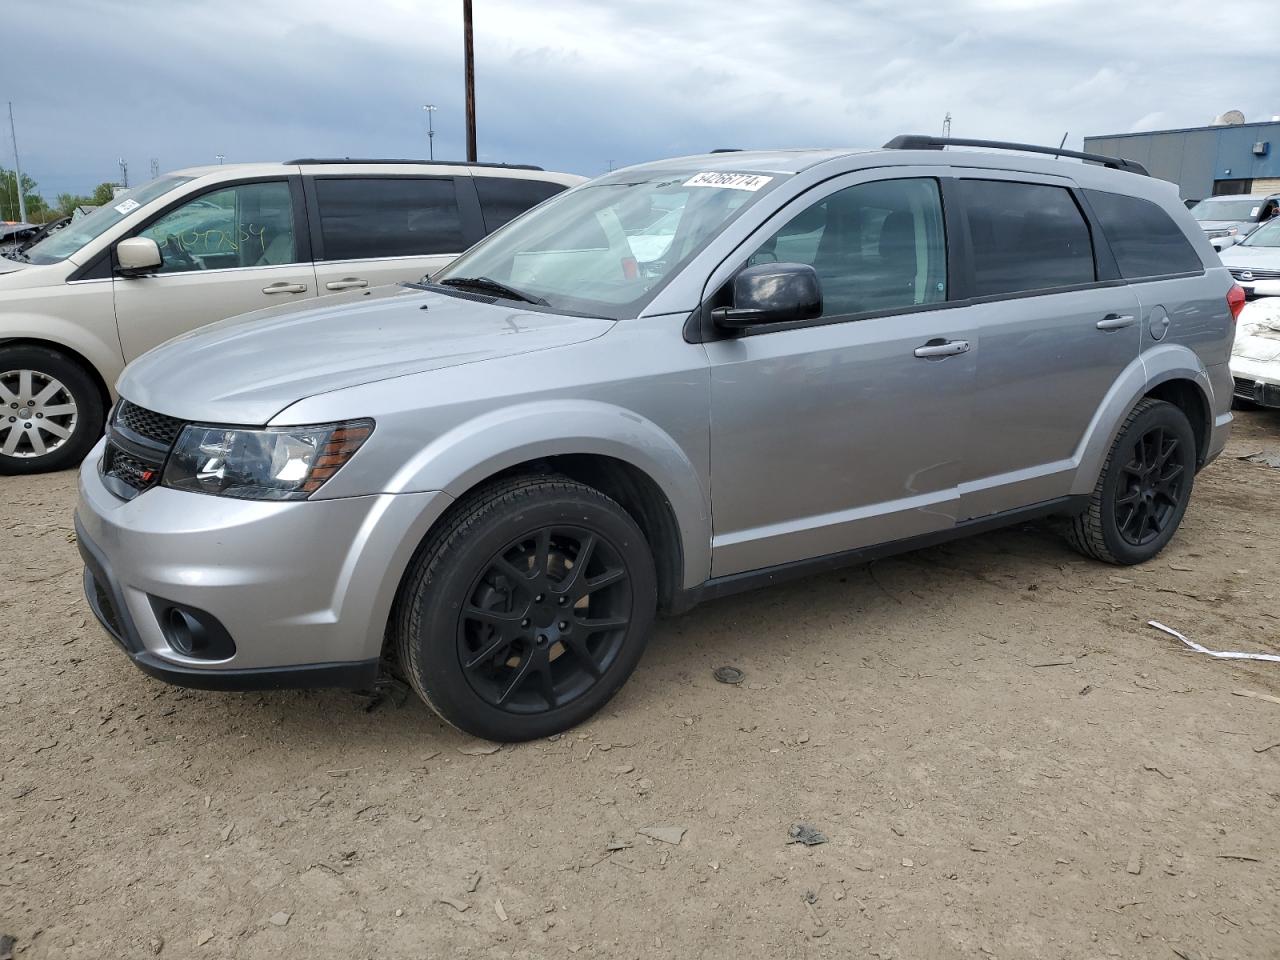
x: 577, y: 85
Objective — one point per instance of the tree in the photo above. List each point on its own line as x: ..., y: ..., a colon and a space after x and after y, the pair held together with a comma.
x: 103, y: 194
x: 9, y: 207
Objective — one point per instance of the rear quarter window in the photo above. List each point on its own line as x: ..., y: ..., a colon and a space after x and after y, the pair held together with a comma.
x: 1145, y: 240
x: 371, y: 217
x: 502, y: 199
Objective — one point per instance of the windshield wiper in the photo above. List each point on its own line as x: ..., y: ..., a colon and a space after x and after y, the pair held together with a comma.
x: 493, y: 286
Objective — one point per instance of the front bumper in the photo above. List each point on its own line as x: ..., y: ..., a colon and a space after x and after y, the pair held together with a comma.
x: 1257, y: 381
x: 302, y: 589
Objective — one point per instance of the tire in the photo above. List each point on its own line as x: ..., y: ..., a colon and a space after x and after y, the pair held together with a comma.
x: 73, y: 407
x: 1143, y: 490
x: 502, y: 633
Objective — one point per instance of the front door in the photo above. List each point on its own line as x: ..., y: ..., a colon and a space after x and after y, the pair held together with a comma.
x: 850, y: 430
x: 225, y: 252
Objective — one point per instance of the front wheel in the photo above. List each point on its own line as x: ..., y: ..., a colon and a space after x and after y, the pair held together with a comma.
x: 528, y: 610
x: 51, y: 412
x: 1143, y: 491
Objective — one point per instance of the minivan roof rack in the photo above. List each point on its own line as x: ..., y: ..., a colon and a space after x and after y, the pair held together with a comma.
x: 320, y: 161
x: 909, y: 141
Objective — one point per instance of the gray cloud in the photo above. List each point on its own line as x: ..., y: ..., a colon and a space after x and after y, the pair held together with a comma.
x: 574, y: 84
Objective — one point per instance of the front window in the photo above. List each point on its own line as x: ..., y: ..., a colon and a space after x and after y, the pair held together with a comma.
x: 1246, y: 209
x: 605, y: 248
x: 1267, y: 235
x: 58, y: 246
x: 249, y: 225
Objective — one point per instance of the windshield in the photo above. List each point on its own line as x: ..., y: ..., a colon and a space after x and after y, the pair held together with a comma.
x: 1267, y: 235
x: 606, y: 247
x: 1246, y: 208
x: 78, y: 232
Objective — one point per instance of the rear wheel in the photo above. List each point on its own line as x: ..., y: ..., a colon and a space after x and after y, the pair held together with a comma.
x: 526, y: 613
x: 1143, y: 491
x: 51, y: 412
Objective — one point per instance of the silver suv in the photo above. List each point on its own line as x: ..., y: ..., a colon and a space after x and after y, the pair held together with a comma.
x: 207, y: 243
x: 671, y: 383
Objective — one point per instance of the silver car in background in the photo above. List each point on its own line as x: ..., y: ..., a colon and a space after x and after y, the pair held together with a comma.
x: 1226, y: 219
x: 496, y: 479
x: 1255, y: 261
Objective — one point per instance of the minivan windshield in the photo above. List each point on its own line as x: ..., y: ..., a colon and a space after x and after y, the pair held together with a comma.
x: 1267, y: 235
x: 58, y: 246
x: 1246, y: 208
x: 606, y: 247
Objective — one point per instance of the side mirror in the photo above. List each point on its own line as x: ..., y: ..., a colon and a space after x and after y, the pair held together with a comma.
x: 772, y: 293
x: 138, y: 255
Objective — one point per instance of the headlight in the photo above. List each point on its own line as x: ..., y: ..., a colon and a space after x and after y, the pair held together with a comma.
x: 1232, y: 231
x: 270, y: 463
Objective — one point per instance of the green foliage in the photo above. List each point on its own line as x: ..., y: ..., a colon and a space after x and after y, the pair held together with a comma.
x: 37, y: 209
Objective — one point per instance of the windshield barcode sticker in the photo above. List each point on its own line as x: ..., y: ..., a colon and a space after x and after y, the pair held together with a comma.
x: 128, y: 206
x: 731, y: 181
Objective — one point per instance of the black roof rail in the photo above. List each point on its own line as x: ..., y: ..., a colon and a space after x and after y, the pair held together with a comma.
x: 910, y: 141
x: 727, y: 150
x: 321, y: 161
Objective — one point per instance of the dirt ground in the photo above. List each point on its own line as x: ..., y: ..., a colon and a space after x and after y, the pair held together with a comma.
x: 1006, y: 761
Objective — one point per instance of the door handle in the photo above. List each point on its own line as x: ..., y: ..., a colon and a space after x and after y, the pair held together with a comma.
x: 937, y: 349
x: 1116, y: 321
x: 346, y: 283
x: 285, y: 286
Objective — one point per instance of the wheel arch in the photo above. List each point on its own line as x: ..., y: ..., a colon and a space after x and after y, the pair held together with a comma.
x: 75, y: 356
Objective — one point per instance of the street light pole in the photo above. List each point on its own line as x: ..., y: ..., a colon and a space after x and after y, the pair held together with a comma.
x: 469, y: 71
x: 431, y: 131
x: 17, y: 169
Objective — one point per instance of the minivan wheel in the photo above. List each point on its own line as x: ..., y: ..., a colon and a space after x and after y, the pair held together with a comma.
x: 50, y: 411
x: 528, y: 610
x: 1144, y: 488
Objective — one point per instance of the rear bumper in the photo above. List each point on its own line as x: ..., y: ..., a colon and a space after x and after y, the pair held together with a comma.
x: 1257, y: 381
x: 285, y: 594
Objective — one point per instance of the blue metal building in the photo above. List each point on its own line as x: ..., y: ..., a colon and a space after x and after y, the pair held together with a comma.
x: 1204, y: 161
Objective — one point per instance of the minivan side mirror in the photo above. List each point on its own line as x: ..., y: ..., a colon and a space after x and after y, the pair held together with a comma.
x: 138, y: 255
x: 772, y: 293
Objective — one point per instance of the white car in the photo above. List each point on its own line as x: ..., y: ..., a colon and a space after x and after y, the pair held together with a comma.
x: 208, y: 243
x: 1255, y: 260
x: 1255, y: 358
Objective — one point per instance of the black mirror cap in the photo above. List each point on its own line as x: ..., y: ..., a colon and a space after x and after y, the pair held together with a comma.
x: 772, y: 293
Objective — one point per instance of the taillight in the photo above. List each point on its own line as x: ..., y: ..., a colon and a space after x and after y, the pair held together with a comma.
x: 1235, y: 301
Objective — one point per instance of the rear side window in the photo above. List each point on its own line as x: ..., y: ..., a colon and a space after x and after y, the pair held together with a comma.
x: 1025, y: 236
x: 363, y: 217
x: 502, y: 199
x: 1145, y: 240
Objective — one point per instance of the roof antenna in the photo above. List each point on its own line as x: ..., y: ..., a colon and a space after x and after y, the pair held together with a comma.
x: 1062, y: 143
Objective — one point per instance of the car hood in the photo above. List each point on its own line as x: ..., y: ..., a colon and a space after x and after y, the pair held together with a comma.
x: 247, y: 369
x: 10, y: 266
x: 1238, y: 256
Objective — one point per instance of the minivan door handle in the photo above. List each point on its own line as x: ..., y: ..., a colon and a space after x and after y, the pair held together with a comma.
x: 1116, y: 321
x: 346, y: 283
x: 285, y: 286
x: 939, y: 348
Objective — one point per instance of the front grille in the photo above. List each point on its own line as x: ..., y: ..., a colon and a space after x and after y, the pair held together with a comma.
x: 1254, y: 273
x: 147, y: 423
x: 138, y: 444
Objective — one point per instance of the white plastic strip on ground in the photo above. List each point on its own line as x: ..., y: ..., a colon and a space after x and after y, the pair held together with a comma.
x: 1220, y: 654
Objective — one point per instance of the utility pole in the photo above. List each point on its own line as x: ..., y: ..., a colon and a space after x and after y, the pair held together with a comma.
x: 17, y: 170
x: 431, y: 131
x: 155, y: 167
x: 124, y: 172
x: 946, y: 125
x: 469, y: 71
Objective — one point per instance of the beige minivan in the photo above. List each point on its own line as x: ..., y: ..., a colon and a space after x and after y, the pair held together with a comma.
x: 206, y: 243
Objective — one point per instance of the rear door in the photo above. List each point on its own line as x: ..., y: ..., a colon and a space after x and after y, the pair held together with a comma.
x: 227, y: 250
x: 1057, y: 328
x: 369, y: 229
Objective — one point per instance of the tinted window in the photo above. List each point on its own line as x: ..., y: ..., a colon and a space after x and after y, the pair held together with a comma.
x: 875, y: 246
x: 1025, y: 236
x: 502, y: 199
x: 250, y: 225
x: 1145, y: 240
x: 388, y: 217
